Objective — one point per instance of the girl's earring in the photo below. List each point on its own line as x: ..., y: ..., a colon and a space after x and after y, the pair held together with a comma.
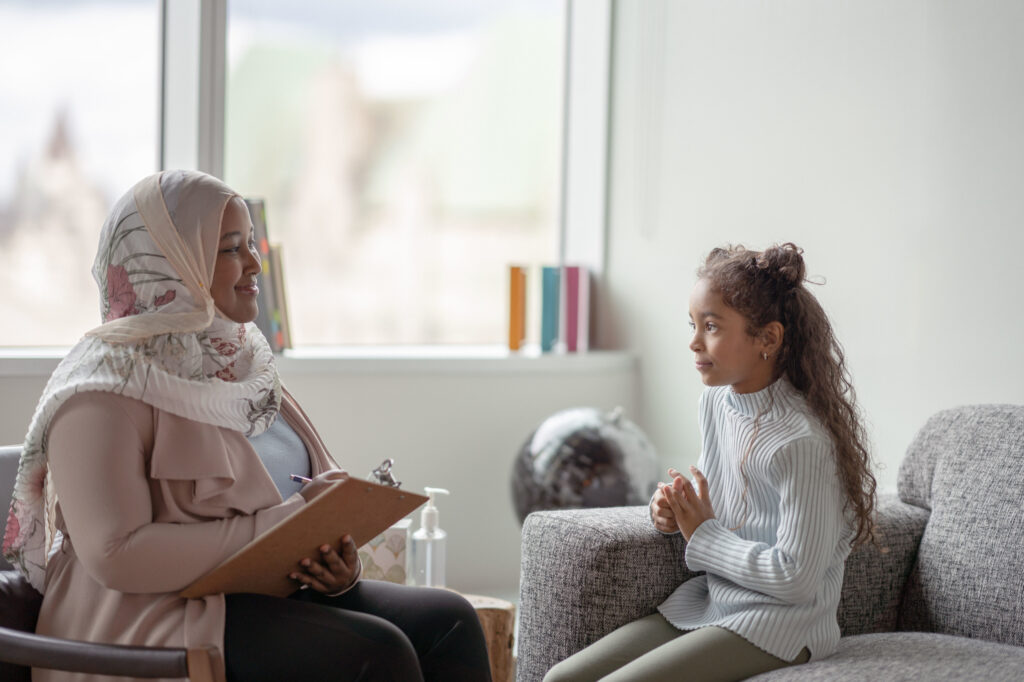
x: 764, y: 355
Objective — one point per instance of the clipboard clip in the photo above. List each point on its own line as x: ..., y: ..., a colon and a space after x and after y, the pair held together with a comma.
x: 382, y: 474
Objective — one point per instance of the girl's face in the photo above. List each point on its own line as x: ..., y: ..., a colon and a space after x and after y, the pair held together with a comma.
x: 726, y: 354
x: 234, y: 287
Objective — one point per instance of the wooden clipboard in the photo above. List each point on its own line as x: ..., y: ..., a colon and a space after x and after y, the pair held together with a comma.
x: 354, y: 506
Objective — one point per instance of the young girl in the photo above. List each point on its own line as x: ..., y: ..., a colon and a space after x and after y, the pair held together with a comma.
x: 782, y: 491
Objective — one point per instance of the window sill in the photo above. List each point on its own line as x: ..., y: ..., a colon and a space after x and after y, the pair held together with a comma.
x: 40, y: 362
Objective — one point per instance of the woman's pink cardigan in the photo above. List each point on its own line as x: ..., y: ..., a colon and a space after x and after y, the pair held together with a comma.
x: 148, y: 502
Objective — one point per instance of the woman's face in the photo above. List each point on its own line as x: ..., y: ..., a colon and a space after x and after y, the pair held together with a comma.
x: 234, y: 287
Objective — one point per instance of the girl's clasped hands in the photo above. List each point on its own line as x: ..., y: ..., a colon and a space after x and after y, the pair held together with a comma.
x: 677, y: 506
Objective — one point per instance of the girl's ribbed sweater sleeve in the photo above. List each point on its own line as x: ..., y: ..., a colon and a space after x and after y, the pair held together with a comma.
x: 810, y: 511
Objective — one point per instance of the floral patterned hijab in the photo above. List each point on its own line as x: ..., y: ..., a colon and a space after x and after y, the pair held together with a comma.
x: 162, y: 341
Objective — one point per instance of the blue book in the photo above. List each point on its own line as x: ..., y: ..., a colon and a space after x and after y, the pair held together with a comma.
x: 550, y: 296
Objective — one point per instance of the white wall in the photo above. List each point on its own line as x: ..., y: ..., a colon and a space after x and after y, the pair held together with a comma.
x: 886, y: 137
x: 452, y: 423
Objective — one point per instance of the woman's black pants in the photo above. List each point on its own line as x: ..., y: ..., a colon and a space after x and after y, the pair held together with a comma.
x: 375, y: 631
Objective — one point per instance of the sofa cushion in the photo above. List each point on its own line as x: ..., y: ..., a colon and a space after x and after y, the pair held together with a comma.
x: 910, y: 656
x: 967, y: 466
x: 877, y: 571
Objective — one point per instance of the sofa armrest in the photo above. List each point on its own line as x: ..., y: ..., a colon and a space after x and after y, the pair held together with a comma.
x: 876, y: 575
x: 586, y: 572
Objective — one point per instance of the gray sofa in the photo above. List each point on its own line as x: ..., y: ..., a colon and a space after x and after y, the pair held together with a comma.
x: 941, y: 597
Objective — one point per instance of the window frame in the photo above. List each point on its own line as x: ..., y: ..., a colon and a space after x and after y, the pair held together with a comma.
x: 192, y: 85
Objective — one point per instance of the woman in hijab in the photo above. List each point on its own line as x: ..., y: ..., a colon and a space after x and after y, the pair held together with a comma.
x: 163, y: 443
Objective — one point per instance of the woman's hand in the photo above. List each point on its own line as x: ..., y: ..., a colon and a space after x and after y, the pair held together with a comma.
x: 333, y: 571
x: 322, y: 482
x: 690, y: 507
x: 661, y: 513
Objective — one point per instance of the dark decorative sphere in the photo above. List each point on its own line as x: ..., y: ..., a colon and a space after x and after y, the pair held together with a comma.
x: 583, y: 457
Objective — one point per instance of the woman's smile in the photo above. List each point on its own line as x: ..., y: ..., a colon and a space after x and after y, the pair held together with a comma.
x: 249, y: 289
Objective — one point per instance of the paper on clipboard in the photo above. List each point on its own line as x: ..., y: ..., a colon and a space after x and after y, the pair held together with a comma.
x: 354, y: 506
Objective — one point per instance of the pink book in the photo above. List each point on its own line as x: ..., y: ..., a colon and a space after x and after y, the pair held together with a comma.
x: 577, y: 309
x: 572, y: 299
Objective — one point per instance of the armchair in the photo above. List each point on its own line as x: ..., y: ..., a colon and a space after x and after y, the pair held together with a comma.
x: 21, y: 649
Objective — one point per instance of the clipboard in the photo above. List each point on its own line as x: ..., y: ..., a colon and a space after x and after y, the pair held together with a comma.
x: 354, y: 506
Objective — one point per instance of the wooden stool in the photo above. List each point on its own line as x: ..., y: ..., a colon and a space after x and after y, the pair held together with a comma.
x: 497, y: 617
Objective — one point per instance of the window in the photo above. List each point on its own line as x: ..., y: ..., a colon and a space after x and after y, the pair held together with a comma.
x: 90, y: 112
x: 407, y: 151
x: 79, y: 86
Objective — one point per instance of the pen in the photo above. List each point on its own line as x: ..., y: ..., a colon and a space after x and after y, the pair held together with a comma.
x: 300, y: 479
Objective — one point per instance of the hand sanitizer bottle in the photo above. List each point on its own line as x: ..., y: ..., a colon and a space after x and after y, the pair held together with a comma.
x: 428, y: 545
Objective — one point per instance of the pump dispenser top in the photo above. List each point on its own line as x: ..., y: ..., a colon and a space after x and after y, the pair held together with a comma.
x: 429, y: 515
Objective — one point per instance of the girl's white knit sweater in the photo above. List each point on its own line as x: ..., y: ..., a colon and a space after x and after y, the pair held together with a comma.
x: 774, y: 564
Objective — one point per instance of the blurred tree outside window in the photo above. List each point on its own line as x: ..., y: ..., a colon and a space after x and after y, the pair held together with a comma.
x: 79, y: 90
x: 407, y: 151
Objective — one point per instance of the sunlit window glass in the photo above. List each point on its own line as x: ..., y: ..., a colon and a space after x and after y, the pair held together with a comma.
x: 407, y: 152
x: 79, y: 92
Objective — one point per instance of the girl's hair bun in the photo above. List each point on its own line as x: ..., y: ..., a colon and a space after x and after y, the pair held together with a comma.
x: 784, y: 263
x: 737, y: 272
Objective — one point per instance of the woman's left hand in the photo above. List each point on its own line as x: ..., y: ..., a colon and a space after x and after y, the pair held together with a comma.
x: 690, y: 507
x: 333, y: 571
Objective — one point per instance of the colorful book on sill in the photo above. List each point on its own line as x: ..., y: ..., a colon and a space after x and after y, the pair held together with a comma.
x: 516, y: 307
x: 565, y: 309
x: 549, y: 316
x: 575, y: 317
x: 282, y: 328
x: 265, y: 319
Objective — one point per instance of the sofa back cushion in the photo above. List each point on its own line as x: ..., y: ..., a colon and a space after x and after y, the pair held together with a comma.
x: 967, y: 466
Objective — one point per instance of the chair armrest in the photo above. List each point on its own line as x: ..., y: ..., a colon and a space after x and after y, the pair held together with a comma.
x: 19, y: 646
x: 27, y: 649
x: 876, y: 575
x: 586, y: 572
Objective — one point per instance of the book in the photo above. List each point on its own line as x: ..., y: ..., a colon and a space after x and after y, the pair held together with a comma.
x: 517, y: 307
x: 549, y: 328
x: 279, y: 315
x: 265, y: 299
x: 576, y: 301
x: 354, y: 506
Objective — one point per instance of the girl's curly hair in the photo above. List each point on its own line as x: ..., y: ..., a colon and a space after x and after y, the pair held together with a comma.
x: 768, y: 286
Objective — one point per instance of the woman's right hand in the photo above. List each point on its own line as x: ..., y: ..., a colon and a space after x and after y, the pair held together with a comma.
x: 661, y: 513
x: 322, y: 482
